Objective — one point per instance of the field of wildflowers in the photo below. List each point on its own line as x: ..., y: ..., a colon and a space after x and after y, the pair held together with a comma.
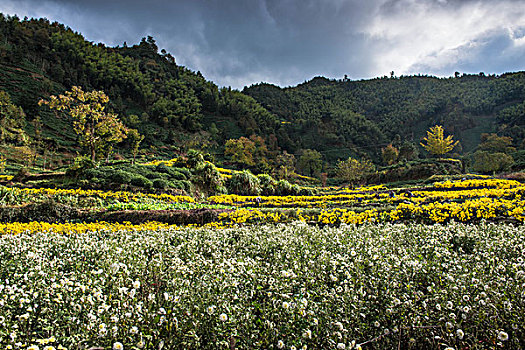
x: 292, y: 286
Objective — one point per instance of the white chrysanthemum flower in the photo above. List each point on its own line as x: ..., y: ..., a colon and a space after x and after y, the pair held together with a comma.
x: 49, y: 347
x: 308, y: 334
x: 134, y: 330
x: 223, y: 317
x: 460, y: 334
x: 286, y: 305
x: 118, y: 346
x: 280, y: 344
x: 33, y: 347
x: 210, y: 310
x: 503, y: 336
x: 136, y: 284
x: 341, y: 346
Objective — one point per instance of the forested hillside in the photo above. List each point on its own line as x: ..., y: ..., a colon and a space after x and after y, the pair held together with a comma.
x: 366, y: 115
x: 177, y: 109
x: 168, y: 103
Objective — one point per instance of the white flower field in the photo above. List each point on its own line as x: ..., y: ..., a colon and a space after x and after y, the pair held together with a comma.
x: 292, y: 286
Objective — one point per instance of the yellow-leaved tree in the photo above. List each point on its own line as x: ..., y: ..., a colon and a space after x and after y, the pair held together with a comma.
x: 436, y: 143
x: 98, y: 130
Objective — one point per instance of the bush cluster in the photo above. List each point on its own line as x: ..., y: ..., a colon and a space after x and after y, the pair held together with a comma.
x: 245, y: 183
x: 146, y: 177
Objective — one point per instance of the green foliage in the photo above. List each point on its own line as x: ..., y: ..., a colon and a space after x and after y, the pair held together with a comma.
x: 493, y: 143
x: 240, y: 151
x: 121, y: 177
x: 12, y: 121
x: 244, y: 183
x: 389, y: 154
x: 268, y: 184
x: 79, y: 166
x: 141, y: 181
x: 310, y: 162
x: 408, y: 151
x: 283, y: 188
x: 485, y: 162
x: 208, y: 178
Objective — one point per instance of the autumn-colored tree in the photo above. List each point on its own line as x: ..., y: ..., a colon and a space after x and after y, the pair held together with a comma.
x: 353, y: 170
x: 240, y: 150
x: 98, y: 130
x: 389, y: 154
x: 436, y: 143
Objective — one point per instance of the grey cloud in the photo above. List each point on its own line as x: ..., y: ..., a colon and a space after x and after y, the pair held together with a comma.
x: 240, y: 42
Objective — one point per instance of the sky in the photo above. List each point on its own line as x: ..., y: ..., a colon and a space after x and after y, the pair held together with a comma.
x: 238, y: 43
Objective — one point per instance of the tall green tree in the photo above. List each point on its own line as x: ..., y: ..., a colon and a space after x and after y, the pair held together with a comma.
x: 97, y: 129
x: 134, y: 139
x: 310, y: 162
x: 12, y: 121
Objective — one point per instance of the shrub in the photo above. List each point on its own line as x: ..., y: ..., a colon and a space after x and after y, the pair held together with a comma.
x: 267, y: 183
x: 208, y: 178
x: 283, y: 188
x: 161, y: 184
x: 121, y: 177
x: 141, y: 181
x: 244, y: 183
x: 80, y: 164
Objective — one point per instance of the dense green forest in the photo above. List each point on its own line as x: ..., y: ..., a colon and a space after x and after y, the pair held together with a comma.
x: 364, y: 116
x: 177, y: 109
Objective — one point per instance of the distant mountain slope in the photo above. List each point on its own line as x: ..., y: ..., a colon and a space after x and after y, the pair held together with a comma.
x: 369, y: 113
x: 148, y: 90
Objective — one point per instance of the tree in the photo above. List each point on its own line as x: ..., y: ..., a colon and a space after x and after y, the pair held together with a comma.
x: 240, y: 151
x: 389, y: 154
x: 493, y: 143
x: 134, y: 139
x: 310, y: 162
x: 436, y: 143
x: 12, y: 121
x: 285, y: 165
x: 408, y: 151
x: 353, y: 170
x: 97, y: 129
x: 485, y: 162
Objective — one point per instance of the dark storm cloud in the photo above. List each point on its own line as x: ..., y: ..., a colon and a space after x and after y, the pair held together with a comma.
x: 240, y: 42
